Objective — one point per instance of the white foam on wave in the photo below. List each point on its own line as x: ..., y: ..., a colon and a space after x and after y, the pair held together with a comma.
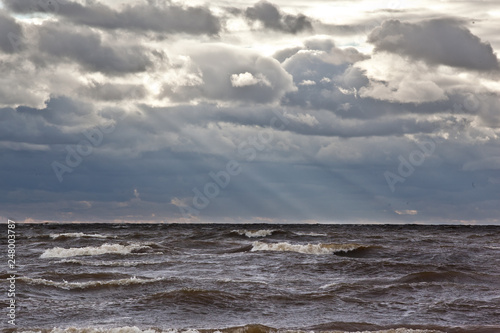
x: 135, y: 329
x: 109, y: 263
x: 88, y: 284
x: 313, y: 234
x: 255, y: 233
x: 59, y: 252
x: 79, y: 235
x: 125, y: 329
x: 307, y: 248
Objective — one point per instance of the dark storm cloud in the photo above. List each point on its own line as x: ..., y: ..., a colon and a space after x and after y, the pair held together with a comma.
x: 166, y: 18
x: 166, y: 152
x: 272, y: 18
x: 439, y: 41
x: 59, y: 122
x: 87, y: 48
x: 326, y: 79
x: 10, y: 33
x: 298, y: 121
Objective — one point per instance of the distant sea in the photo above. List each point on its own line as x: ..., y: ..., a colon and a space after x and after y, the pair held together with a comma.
x: 255, y: 278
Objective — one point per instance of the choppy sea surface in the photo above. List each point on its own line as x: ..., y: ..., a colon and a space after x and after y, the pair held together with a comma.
x: 256, y: 278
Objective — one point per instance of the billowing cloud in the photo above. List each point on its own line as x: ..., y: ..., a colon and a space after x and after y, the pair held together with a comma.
x: 242, y: 75
x: 437, y: 42
x: 271, y: 17
x: 166, y: 18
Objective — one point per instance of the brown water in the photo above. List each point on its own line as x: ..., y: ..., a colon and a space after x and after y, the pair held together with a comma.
x: 257, y: 278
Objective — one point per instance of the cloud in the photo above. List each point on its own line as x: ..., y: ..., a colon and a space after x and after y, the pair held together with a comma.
x: 406, y: 212
x: 113, y: 91
x: 247, y: 79
x: 408, y: 90
x: 272, y: 18
x: 437, y: 42
x: 87, y: 48
x: 166, y: 18
x: 344, y: 114
x: 11, y: 33
x: 61, y: 121
x: 282, y: 55
x: 307, y: 83
x: 243, y: 75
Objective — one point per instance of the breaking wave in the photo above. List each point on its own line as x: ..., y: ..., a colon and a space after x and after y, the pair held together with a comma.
x: 312, y: 234
x: 251, y: 328
x: 307, y: 248
x: 78, y: 235
x: 254, y: 233
x: 88, y: 284
x: 59, y: 252
x: 107, y: 263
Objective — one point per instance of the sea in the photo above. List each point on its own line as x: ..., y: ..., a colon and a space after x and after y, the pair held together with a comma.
x: 254, y: 278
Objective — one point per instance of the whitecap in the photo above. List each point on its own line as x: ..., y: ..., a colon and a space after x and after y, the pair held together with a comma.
x: 88, y: 284
x: 79, y: 235
x: 110, y: 263
x: 304, y: 248
x: 59, y: 252
x: 313, y: 234
x: 255, y: 233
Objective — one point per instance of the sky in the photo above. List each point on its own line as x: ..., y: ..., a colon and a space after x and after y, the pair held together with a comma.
x: 242, y: 111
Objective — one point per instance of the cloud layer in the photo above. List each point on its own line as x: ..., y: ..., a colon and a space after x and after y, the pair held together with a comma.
x: 162, y: 111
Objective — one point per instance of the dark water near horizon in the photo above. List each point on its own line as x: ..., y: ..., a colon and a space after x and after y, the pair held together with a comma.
x: 256, y: 278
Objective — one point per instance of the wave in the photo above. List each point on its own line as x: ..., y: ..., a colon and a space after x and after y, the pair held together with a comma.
x: 250, y: 328
x: 254, y: 233
x: 109, y: 263
x: 195, y: 296
x: 307, y: 248
x: 88, y: 284
x: 447, y: 276
x: 78, y: 235
x: 312, y: 234
x: 59, y: 252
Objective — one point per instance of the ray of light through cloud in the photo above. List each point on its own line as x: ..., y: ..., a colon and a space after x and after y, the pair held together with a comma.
x: 329, y: 109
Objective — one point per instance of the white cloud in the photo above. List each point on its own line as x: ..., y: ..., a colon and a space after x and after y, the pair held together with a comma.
x: 406, y: 212
x: 307, y: 83
x: 248, y: 79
